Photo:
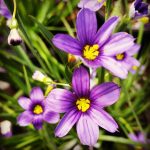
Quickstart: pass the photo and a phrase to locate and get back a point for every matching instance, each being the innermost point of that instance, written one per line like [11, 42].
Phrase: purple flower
[4, 10]
[93, 5]
[127, 61]
[84, 107]
[140, 137]
[36, 111]
[97, 48]
[138, 9]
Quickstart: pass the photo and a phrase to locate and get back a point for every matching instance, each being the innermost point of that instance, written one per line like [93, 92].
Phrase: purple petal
[37, 122]
[93, 5]
[67, 122]
[137, 3]
[114, 66]
[105, 94]
[67, 44]
[86, 26]
[118, 43]
[143, 8]
[133, 137]
[88, 130]
[103, 119]
[81, 82]
[24, 102]
[106, 30]
[60, 100]
[134, 63]
[51, 117]
[134, 50]
[25, 118]
[36, 94]
[93, 64]
[4, 10]
[141, 138]
[127, 62]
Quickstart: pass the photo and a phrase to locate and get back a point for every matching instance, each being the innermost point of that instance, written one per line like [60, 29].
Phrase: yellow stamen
[134, 68]
[38, 109]
[120, 56]
[83, 104]
[91, 52]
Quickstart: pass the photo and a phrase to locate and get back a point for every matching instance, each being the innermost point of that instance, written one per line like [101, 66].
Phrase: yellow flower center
[134, 68]
[120, 56]
[83, 104]
[38, 109]
[99, 1]
[91, 52]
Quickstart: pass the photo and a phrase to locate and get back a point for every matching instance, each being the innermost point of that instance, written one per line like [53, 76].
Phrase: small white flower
[14, 37]
[6, 128]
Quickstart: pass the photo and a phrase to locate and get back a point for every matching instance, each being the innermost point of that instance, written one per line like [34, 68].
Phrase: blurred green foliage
[38, 21]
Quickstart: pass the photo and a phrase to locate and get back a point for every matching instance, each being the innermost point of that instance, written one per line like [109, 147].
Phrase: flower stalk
[15, 8]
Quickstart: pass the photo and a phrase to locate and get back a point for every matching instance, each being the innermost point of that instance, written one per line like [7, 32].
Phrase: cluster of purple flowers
[84, 106]
[98, 48]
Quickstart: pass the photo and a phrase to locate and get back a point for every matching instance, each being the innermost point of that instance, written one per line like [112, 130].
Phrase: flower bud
[13, 24]
[49, 89]
[39, 76]
[71, 58]
[6, 128]
[14, 37]
[144, 20]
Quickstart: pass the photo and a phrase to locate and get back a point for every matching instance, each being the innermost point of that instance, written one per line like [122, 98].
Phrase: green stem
[108, 9]
[15, 7]
[117, 139]
[7, 109]
[133, 111]
[27, 79]
[101, 75]
[135, 116]
[140, 34]
[62, 84]
[77, 64]
[126, 7]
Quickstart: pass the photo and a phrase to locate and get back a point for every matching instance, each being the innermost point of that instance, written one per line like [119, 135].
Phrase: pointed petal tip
[36, 93]
[86, 25]
[67, 44]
